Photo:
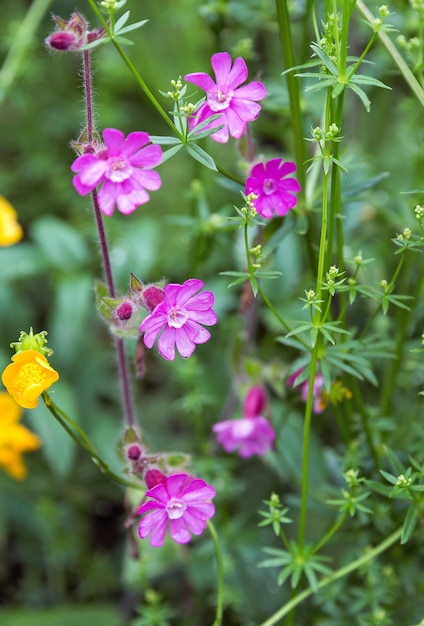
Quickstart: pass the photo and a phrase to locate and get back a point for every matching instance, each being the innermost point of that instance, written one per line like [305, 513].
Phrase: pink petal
[83, 190]
[245, 109]
[208, 318]
[147, 157]
[171, 293]
[166, 343]
[200, 79]
[237, 75]
[251, 91]
[200, 511]
[185, 345]
[91, 170]
[113, 139]
[221, 65]
[286, 168]
[149, 179]
[188, 289]
[201, 301]
[107, 197]
[236, 125]
[258, 172]
[160, 493]
[127, 203]
[154, 523]
[288, 184]
[134, 142]
[195, 333]
[179, 531]
[150, 505]
[195, 524]
[175, 484]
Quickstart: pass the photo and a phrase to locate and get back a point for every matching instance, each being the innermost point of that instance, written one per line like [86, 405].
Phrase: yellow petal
[10, 230]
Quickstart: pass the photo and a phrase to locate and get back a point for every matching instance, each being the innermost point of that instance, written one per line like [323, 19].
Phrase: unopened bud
[134, 452]
[152, 296]
[125, 310]
[254, 402]
[154, 477]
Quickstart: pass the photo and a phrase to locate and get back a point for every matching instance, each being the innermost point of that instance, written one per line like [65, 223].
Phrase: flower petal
[166, 343]
[221, 65]
[134, 142]
[179, 531]
[147, 157]
[114, 140]
[200, 79]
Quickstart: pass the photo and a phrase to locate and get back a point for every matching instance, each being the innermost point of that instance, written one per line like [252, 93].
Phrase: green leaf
[165, 141]
[362, 95]
[201, 156]
[131, 27]
[61, 244]
[170, 153]
[410, 521]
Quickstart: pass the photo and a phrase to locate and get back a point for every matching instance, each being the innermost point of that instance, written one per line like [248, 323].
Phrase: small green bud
[318, 134]
[402, 481]
[358, 259]
[384, 11]
[419, 212]
[407, 233]
[383, 284]
[310, 295]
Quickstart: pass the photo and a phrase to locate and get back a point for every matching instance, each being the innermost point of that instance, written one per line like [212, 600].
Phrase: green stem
[368, 556]
[220, 575]
[359, 403]
[20, 44]
[136, 75]
[330, 533]
[78, 435]
[394, 53]
[305, 446]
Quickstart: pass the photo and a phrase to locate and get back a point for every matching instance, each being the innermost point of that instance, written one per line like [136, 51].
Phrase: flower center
[118, 169]
[177, 317]
[269, 187]
[30, 374]
[243, 428]
[175, 508]
[219, 100]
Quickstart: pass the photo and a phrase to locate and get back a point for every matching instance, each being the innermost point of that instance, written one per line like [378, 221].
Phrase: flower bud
[254, 402]
[134, 452]
[154, 477]
[125, 310]
[152, 296]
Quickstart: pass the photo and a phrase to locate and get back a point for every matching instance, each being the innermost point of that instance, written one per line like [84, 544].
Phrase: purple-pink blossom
[251, 434]
[180, 502]
[274, 190]
[237, 105]
[123, 168]
[178, 318]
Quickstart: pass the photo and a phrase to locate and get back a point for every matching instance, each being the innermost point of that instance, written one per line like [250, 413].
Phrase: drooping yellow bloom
[10, 230]
[28, 376]
[15, 439]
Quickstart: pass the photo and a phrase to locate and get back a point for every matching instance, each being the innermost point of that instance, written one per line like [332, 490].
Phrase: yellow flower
[10, 230]
[28, 376]
[14, 438]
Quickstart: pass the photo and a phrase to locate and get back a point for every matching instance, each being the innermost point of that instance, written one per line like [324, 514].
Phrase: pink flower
[251, 434]
[320, 402]
[181, 500]
[178, 319]
[237, 105]
[124, 168]
[273, 190]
